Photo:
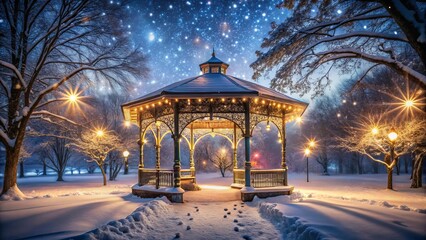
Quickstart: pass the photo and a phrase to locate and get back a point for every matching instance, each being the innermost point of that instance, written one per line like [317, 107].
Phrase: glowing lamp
[375, 130]
[392, 135]
[72, 98]
[307, 151]
[409, 103]
[268, 127]
[100, 133]
[127, 123]
[126, 154]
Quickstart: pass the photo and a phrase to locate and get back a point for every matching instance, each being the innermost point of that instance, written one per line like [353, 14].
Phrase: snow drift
[133, 226]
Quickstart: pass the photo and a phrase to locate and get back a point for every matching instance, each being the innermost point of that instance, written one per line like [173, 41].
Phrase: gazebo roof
[214, 85]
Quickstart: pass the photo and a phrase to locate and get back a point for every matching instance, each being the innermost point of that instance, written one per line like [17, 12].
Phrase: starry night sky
[179, 35]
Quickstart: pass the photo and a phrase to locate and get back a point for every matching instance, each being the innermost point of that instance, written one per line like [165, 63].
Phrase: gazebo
[211, 102]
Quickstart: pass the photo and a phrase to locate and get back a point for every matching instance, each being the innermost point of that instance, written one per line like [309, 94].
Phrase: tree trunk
[416, 181]
[102, 167]
[44, 168]
[340, 165]
[398, 166]
[10, 169]
[390, 171]
[222, 171]
[60, 179]
[21, 170]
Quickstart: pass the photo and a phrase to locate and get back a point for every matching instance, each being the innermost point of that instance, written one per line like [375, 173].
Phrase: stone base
[247, 195]
[173, 194]
[237, 185]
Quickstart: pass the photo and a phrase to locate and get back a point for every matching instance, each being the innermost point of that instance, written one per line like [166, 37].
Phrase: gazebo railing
[261, 178]
[164, 176]
[150, 176]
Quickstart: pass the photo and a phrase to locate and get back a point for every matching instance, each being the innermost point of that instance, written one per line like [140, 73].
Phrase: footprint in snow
[241, 224]
[247, 237]
[235, 220]
[190, 219]
[177, 235]
[236, 229]
[188, 214]
[225, 209]
[180, 223]
[188, 228]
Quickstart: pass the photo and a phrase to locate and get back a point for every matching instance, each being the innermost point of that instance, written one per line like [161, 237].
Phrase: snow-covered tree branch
[328, 36]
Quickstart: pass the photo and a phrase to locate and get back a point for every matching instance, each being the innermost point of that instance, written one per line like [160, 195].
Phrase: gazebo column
[283, 144]
[234, 147]
[141, 164]
[157, 155]
[176, 138]
[191, 153]
[247, 165]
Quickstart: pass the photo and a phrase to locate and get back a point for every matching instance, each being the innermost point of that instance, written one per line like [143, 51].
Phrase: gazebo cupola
[214, 65]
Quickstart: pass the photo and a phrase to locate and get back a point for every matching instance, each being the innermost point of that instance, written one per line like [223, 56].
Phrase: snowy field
[328, 207]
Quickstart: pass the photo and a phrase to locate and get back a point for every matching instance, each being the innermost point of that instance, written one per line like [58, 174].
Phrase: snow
[161, 189]
[159, 220]
[13, 194]
[328, 207]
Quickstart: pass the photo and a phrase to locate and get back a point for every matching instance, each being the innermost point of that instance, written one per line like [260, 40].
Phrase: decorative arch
[256, 119]
[187, 120]
[209, 133]
[164, 128]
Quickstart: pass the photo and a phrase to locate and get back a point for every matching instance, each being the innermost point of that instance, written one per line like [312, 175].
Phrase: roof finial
[213, 54]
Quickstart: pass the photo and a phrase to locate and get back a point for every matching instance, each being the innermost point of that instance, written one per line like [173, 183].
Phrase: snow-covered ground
[341, 207]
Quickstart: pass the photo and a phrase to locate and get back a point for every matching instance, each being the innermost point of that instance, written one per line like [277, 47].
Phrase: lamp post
[307, 152]
[392, 137]
[126, 162]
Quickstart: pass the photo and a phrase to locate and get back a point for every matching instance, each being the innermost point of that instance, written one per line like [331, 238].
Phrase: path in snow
[204, 220]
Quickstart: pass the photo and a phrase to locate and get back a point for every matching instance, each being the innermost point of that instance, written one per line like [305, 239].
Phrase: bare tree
[58, 154]
[371, 139]
[45, 44]
[115, 162]
[321, 37]
[97, 145]
[220, 158]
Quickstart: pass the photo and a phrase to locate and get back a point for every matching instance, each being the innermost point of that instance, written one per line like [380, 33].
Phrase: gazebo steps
[149, 191]
[247, 194]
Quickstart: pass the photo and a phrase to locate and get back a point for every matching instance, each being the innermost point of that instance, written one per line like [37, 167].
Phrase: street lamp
[307, 152]
[408, 103]
[127, 124]
[100, 133]
[312, 143]
[126, 162]
[392, 137]
[375, 130]
[72, 98]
